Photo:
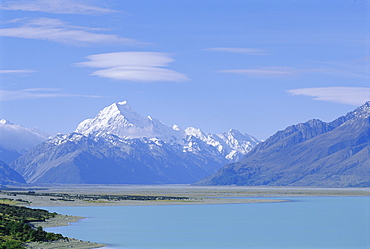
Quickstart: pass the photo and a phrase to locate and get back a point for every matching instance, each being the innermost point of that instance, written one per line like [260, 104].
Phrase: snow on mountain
[236, 144]
[19, 138]
[359, 113]
[175, 127]
[121, 120]
[232, 144]
[121, 146]
[109, 159]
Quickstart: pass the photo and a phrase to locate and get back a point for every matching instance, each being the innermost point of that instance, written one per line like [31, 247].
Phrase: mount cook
[120, 146]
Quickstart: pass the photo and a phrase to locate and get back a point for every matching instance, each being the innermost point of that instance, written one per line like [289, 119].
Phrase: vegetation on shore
[97, 197]
[15, 230]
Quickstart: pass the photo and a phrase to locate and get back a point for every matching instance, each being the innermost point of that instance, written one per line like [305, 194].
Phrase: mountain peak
[191, 131]
[118, 119]
[234, 132]
[121, 120]
[122, 107]
[362, 111]
[4, 121]
[176, 127]
[121, 111]
[122, 103]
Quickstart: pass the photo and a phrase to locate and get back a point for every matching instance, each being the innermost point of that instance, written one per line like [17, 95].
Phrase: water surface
[304, 222]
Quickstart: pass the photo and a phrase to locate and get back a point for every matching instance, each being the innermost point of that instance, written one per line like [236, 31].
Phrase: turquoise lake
[304, 222]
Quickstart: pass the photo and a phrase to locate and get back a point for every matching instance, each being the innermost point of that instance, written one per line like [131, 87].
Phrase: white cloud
[58, 31]
[127, 59]
[37, 93]
[249, 51]
[17, 71]
[55, 6]
[133, 66]
[145, 74]
[344, 95]
[268, 72]
[265, 72]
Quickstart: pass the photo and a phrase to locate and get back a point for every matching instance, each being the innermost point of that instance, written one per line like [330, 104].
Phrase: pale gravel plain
[197, 195]
[69, 243]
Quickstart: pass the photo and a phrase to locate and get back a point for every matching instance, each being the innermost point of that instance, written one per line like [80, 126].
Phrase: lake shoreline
[61, 244]
[187, 194]
[57, 221]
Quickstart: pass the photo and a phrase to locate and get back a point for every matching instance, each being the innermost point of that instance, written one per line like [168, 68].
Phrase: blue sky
[256, 66]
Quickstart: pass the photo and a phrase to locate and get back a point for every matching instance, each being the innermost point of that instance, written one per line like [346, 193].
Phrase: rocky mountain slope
[9, 176]
[315, 153]
[120, 146]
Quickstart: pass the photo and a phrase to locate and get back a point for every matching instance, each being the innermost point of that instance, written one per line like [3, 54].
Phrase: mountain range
[120, 146]
[314, 153]
[9, 175]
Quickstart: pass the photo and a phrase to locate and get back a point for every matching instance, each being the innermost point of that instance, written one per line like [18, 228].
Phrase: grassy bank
[22, 227]
[15, 227]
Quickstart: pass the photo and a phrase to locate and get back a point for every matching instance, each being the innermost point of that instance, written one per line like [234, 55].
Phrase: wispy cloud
[61, 32]
[358, 68]
[37, 93]
[55, 6]
[344, 95]
[248, 51]
[274, 72]
[133, 66]
[16, 71]
[263, 72]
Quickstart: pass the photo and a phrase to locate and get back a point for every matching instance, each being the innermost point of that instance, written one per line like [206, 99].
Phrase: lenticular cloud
[344, 95]
[55, 6]
[58, 31]
[133, 66]
[127, 59]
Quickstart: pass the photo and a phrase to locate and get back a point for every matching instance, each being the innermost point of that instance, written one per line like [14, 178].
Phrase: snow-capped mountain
[121, 146]
[233, 145]
[16, 140]
[109, 159]
[121, 120]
